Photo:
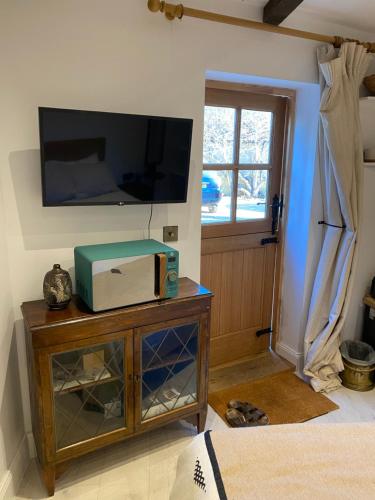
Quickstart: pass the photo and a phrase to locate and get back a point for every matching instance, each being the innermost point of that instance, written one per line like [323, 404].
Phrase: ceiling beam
[275, 11]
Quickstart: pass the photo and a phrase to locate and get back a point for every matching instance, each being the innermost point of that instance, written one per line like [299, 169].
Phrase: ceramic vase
[57, 288]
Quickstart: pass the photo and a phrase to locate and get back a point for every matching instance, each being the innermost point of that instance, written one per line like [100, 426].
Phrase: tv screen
[96, 158]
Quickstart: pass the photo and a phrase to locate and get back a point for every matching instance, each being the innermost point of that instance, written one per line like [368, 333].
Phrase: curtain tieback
[322, 222]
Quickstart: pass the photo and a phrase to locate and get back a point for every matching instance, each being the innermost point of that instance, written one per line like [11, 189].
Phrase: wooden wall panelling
[239, 270]
[231, 290]
[211, 275]
[268, 278]
[252, 289]
[237, 345]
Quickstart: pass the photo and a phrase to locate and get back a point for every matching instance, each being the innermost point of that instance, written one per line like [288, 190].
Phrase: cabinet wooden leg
[201, 420]
[48, 474]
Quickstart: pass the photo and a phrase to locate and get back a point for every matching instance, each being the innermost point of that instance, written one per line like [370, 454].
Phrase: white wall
[12, 464]
[302, 236]
[114, 56]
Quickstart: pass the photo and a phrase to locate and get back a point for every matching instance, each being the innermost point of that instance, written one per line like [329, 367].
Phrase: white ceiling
[358, 14]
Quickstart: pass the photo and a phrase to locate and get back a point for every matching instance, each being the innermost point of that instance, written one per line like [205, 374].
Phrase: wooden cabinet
[99, 378]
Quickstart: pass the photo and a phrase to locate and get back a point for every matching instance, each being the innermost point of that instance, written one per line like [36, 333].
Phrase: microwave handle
[162, 262]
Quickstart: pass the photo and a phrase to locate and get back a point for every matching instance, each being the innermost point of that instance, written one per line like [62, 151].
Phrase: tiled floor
[143, 468]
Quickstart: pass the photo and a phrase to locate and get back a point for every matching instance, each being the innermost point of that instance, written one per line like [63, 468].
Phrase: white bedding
[195, 477]
[304, 462]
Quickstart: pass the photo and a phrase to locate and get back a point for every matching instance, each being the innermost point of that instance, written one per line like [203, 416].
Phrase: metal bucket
[358, 378]
[359, 365]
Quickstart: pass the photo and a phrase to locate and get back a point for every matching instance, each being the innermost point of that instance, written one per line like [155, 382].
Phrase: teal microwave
[122, 274]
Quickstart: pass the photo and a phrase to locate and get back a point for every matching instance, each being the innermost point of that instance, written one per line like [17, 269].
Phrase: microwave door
[124, 281]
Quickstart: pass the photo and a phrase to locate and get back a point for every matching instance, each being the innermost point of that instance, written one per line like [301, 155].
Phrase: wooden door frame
[290, 95]
[238, 101]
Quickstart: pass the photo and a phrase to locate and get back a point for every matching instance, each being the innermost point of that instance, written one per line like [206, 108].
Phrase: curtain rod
[173, 11]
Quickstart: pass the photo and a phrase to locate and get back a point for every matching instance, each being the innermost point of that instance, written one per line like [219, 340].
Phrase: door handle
[277, 207]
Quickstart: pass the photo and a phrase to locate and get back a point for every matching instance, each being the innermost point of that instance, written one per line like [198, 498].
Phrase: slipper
[255, 418]
[242, 406]
[254, 414]
[235, 418]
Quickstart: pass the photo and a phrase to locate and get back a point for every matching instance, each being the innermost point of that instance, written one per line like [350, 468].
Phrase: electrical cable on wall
[149, 221]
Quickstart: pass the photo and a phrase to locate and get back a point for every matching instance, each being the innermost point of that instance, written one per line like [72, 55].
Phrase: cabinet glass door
[169, 369]
[89, 392]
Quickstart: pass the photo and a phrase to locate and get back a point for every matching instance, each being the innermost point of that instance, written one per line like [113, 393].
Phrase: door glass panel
[169, 369]
[88, 386]
[252, 194]
[255, 137]
[219, 127]
[217, 187]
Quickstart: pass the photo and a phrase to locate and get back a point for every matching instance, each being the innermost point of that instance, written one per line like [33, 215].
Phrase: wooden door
[243, 160]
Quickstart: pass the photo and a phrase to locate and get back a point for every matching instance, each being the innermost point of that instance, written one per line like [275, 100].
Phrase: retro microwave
[121, 274]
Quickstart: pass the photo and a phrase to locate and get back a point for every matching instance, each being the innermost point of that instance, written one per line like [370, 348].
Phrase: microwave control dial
[172, 276]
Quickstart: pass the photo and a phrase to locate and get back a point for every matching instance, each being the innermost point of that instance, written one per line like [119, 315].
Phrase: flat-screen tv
[97, 158]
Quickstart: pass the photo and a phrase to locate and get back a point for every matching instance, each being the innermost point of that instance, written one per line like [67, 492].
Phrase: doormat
[284, 397]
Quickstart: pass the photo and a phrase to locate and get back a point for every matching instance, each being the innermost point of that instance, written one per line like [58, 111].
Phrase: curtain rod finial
[171, 11]
[155, 5]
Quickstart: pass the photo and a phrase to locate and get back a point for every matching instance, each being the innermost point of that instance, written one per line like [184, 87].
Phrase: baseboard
[291, 355]
[12, 478]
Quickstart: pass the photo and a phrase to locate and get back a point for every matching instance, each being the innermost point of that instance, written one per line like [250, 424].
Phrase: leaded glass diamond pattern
[88, 392]
[169, 369]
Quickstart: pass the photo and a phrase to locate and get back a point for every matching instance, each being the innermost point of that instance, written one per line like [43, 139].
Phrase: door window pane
[217, 187]
[219, 127]
[252, 194]
[255, 137]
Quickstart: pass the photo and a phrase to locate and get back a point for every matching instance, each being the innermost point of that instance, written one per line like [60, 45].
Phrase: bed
[317, 461]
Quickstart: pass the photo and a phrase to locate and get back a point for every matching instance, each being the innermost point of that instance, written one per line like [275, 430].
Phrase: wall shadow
[66, 227]
[11, 408]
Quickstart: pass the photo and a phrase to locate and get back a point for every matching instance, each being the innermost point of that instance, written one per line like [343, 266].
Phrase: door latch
[268, 241]
[277, 211]
[259, 333]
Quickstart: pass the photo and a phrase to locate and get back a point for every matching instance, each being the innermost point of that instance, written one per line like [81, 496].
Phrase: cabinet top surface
[37, 314]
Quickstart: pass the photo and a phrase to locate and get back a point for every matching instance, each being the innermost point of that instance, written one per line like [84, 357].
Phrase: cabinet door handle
[137, 377]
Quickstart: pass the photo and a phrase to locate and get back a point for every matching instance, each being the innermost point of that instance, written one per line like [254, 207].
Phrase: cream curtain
[340, 156]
